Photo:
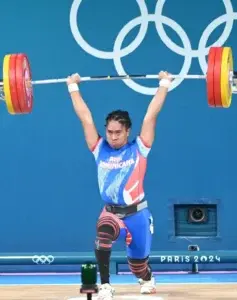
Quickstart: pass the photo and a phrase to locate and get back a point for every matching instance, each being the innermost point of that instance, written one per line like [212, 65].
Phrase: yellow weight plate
[6, 84]
[226, 68]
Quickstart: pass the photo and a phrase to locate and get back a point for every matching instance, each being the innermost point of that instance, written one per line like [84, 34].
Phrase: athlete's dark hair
[121, 116]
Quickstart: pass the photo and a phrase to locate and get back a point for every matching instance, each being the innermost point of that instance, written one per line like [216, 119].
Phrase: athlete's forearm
[80, 107]
[157, 102]
[82, 111]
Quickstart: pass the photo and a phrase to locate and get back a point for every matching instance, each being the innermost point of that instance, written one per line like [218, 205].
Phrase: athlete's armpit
[96, 148]
[142, 147]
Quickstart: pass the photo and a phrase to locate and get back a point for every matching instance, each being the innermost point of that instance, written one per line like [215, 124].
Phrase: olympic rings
[159, 19]
[43, 259]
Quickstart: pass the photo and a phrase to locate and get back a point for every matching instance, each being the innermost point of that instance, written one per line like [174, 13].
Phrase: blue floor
[117, 279]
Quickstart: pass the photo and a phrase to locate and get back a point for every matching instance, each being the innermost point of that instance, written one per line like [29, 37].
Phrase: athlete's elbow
[85, 117]
[150, 118]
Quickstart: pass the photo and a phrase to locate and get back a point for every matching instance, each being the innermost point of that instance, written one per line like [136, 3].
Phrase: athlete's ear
[128, 132]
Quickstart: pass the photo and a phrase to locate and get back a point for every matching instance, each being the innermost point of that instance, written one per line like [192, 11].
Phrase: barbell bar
[111, 77]
[17, 84]
[117, 77]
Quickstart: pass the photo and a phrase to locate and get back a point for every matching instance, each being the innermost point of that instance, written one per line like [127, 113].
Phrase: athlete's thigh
[140, 226]
[107, 219]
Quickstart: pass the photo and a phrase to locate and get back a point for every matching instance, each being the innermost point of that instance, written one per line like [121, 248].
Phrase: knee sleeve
[140, 268]
[107, 231]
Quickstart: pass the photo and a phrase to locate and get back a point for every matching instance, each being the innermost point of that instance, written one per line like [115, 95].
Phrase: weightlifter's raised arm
[149, 123]
[82, 111]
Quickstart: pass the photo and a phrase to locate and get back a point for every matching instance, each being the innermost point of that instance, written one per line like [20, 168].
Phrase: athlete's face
[117, 134]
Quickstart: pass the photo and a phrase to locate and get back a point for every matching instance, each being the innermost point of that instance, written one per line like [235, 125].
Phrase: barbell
[16, 87]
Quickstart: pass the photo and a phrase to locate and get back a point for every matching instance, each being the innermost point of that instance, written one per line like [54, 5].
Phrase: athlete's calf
[140, 268]
[108, 230]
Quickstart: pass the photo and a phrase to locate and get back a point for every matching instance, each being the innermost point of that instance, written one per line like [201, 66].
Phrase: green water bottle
[89, 278]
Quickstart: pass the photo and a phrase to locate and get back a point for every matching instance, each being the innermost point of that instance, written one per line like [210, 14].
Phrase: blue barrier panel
[166, 257]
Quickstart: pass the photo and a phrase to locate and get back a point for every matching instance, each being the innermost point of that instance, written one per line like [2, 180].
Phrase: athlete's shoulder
[100, 146]
[142, 147]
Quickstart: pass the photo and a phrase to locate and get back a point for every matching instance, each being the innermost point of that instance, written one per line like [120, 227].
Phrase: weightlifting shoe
[148, 287]
[106, 292]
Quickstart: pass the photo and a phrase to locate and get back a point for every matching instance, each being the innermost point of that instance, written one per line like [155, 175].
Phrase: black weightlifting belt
[123, 211]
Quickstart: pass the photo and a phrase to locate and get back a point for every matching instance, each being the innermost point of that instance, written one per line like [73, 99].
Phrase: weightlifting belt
[123, 211]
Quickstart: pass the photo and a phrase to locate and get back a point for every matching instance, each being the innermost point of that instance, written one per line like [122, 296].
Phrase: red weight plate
[210, 77]
[12, 83]
[24, 87]
[217, 77]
